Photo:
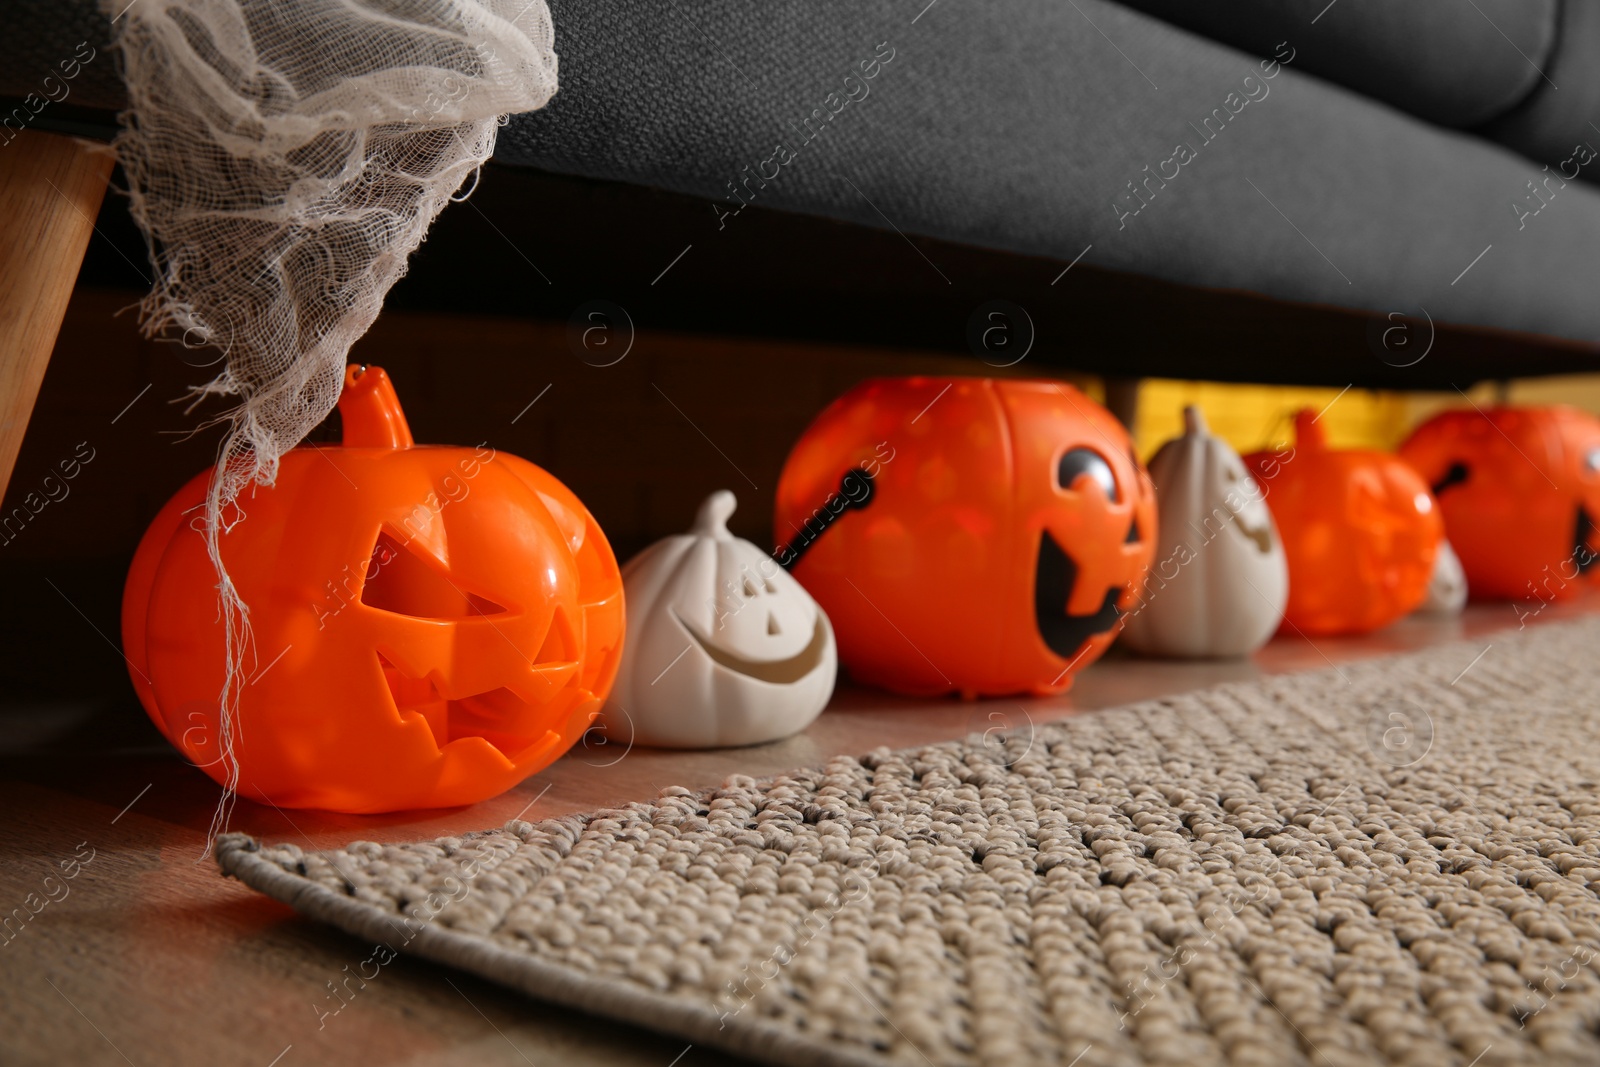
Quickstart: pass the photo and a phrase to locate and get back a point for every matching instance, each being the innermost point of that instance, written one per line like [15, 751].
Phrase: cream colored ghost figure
[1447, 588]
[1220, 580]
[722, 647]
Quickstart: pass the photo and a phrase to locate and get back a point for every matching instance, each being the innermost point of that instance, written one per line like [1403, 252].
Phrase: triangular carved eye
[399, 580]
[560, 643]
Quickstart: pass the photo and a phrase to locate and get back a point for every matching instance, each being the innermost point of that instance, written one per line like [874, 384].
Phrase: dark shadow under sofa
[1247, 191]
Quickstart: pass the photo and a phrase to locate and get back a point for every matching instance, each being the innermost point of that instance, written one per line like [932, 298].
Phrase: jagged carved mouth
[483, 715]
[778, 672]
[1054, 580]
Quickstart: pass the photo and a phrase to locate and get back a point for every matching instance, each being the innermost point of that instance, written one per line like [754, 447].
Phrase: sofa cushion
[60, 52]
[1035, 126]
[1560, 127]
[1038, 127]
[1451, 62]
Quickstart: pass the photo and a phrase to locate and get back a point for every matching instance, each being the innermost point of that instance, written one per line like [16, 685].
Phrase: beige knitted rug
[1396, 861]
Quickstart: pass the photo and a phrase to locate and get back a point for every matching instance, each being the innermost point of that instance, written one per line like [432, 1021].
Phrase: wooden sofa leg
[50, 192]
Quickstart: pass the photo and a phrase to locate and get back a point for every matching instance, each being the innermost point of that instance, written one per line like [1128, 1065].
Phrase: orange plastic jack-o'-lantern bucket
[431, 625]
[967, 535]
[1520, 492]
[1360, 530]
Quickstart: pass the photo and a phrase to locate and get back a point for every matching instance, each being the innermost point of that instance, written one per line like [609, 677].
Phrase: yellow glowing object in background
[1251, 417]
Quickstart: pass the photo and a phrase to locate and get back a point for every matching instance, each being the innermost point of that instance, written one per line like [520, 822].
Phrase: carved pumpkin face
[965, 534]
[1360, 530]
[1520, 491]
[431, 625]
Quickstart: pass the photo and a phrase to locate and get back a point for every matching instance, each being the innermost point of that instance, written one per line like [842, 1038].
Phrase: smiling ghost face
[761, 623]
[1243, 497]
[723, 647]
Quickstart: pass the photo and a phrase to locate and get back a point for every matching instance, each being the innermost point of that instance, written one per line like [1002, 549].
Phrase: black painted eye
[1457, 474]
[1081, 461]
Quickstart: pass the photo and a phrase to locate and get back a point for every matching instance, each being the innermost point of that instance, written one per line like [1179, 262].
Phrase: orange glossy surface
[1360, 530]
[431, 625]
[973, 567]
[1520, 491]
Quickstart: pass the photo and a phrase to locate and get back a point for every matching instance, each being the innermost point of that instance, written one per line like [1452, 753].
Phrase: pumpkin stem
[712, 518]
[371, 411]
[1308, 433]
[1194, 421]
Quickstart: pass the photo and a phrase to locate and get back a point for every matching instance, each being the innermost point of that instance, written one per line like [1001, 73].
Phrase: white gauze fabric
[284, 158]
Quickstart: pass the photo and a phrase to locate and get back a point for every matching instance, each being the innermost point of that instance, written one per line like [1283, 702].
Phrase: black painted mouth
[1585, 557]
[1053, 583]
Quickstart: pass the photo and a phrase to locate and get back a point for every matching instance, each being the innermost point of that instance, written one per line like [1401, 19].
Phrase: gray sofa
[1202, 168]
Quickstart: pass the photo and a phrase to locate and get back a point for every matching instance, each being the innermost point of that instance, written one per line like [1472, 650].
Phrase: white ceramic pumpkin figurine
[1447, 588]
[1220, 579]
[722, 646]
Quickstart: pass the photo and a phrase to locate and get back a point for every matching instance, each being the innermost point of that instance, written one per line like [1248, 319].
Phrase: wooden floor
[148, 956]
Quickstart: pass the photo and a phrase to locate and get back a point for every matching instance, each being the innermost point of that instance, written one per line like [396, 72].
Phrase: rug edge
[531, 976]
